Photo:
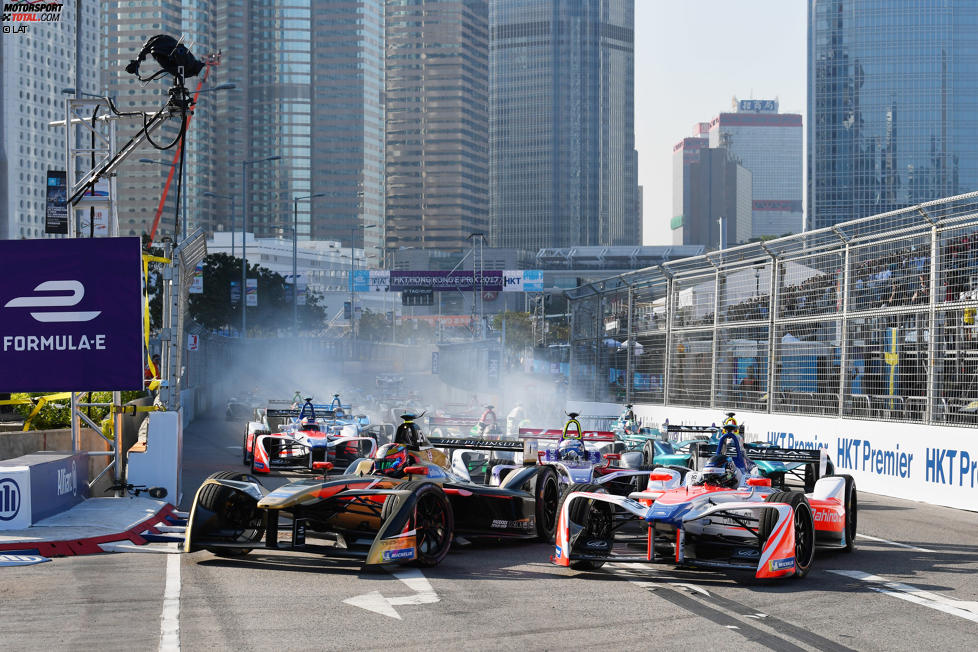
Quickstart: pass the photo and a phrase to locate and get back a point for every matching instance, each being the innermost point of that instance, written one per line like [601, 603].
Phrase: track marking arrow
[374, 601]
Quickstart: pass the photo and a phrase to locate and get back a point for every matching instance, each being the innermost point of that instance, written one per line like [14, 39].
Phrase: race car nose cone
[671, 514]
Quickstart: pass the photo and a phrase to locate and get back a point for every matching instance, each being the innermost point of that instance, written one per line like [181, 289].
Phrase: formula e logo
[77, 292]
[596, 544]
[748, 553]
[9, 499]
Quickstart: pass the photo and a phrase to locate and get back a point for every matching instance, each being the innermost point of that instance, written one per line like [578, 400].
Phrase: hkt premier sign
[70, 314]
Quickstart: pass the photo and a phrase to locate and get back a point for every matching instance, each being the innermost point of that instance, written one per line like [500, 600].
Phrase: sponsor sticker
[782, 564]
[400, 553]
[21, 560]
[596, 544]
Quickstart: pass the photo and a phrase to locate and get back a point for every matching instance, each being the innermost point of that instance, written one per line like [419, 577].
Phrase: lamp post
[295, 251]
[244, 241]
[353, 236]
[231, 197]
[482, 245]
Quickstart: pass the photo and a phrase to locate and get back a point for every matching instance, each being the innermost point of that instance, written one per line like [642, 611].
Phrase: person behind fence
[513, 419]
[487, 422]
[152, 370]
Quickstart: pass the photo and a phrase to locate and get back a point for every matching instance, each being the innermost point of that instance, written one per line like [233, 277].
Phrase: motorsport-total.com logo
[18, 16]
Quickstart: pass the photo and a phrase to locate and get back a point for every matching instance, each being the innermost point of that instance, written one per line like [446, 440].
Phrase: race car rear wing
[772, 453]
[511, 445]
[322, 412]
[452, 421]
[700, 430]
[555, 433]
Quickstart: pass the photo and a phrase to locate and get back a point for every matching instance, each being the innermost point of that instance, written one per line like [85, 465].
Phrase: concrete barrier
[16, 444]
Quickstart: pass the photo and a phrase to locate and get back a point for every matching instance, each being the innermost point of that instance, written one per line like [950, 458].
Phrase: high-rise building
[139, 186]
[36, 65]
[437, 123]
[769, 144]
[563, 166]
[710, 188]
[310, 77]
[892, 88]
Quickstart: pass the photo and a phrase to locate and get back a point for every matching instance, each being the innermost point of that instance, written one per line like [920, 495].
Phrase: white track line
[893, 543]
[959, 608]
[170, 620]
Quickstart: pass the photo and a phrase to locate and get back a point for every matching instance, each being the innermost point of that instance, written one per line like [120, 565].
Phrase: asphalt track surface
[912, 586]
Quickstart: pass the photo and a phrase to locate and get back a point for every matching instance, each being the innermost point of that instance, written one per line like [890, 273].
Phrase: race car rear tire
[851, 504]
[435, 521]
[596, 520]
[648, 454]
[227, 505]
[547, 494]
[245, 454]
[804, 524]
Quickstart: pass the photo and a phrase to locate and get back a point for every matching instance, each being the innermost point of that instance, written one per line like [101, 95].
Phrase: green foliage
[57, 414]
[374, 326]
[213, 308]
[519, 329]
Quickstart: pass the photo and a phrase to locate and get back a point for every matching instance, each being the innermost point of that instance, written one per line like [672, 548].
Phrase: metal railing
[873, 318]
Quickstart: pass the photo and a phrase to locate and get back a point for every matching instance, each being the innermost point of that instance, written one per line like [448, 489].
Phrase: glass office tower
[310, 77]
[892, 105]
[563, 169]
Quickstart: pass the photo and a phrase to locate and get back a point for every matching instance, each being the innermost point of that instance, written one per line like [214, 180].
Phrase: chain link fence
[871, 319]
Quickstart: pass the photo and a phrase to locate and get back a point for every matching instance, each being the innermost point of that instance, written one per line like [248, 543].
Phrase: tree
[213, 309]
[519, 329]
[374, 326]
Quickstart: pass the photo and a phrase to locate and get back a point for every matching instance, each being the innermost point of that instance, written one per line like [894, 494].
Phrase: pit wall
[932, 464]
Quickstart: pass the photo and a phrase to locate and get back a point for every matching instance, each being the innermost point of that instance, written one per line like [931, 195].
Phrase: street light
[244, 241]
[183, 191]
[353, 239]
[295, 249]
[231, 197]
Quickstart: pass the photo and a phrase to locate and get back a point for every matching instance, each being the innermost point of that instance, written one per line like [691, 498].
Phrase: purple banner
[492, 280]
[70, 315]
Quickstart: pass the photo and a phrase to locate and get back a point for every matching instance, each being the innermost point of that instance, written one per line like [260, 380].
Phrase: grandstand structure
[869, 319]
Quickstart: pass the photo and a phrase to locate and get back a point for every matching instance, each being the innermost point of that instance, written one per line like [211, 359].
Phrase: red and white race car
[723, 516]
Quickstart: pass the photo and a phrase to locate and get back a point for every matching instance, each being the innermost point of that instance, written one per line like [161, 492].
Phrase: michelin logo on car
[401, 553]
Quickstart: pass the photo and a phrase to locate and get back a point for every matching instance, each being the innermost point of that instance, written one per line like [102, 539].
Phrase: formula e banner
[70, 315]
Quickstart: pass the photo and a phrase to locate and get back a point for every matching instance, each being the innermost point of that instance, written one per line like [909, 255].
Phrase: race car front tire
[648, 454]
[595, 518]
[804, 524]
[233, 509]
[851, 504]
[434, 521]
[547, 494]
[245, 454]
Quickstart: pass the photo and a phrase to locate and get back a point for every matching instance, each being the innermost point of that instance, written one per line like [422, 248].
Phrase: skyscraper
[310, 75]
[892, 89]
[37, 64]
[563, 167]
[139, 186]
[437, 123]
[769, 144]
[709, 184]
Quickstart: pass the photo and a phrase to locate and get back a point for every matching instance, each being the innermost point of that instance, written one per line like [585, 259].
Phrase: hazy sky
[691, 58]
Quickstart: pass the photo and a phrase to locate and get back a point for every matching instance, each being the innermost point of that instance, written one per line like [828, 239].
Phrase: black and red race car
[400, 505]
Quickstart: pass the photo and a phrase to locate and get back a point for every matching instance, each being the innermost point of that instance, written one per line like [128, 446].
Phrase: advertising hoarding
[71, 315]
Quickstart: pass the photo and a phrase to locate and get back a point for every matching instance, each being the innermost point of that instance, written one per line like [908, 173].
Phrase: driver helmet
[572, 450]
[391, 459]
[309, 424]
[719, 472]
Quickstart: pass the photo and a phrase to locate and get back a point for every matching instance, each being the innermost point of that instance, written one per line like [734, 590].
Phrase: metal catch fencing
[872, 319]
